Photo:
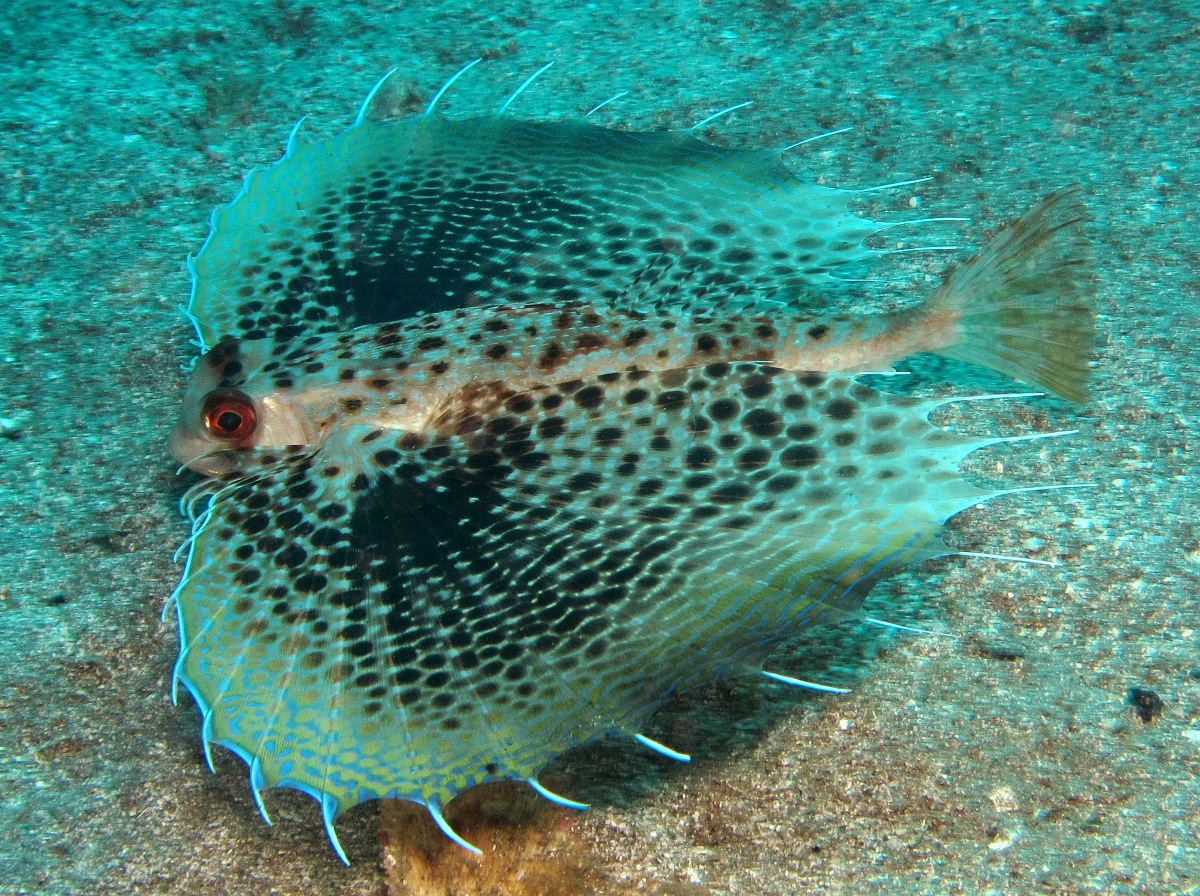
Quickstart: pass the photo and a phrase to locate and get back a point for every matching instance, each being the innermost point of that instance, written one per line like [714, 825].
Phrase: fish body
[402, 376]
[440, 548]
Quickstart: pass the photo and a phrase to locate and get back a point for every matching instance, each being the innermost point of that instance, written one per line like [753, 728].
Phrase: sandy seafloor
[1006, 760]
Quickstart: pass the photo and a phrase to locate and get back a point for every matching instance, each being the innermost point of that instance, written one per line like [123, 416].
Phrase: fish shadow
[728, 718]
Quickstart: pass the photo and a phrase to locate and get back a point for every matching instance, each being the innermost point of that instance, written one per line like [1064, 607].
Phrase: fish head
[225, 411]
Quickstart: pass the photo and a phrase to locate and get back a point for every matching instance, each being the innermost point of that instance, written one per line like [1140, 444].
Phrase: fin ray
[379, 238]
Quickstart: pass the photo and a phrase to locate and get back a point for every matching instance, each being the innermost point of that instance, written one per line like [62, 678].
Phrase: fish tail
[1024, 305]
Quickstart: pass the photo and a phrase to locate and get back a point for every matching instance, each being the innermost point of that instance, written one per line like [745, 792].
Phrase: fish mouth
[198, 455]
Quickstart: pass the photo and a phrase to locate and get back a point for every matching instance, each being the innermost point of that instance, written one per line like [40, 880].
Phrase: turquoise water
[1006, 759]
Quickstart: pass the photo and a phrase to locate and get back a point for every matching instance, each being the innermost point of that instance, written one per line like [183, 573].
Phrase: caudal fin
[1025, 304]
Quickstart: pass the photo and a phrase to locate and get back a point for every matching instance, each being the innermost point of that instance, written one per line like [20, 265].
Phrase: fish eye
[230, 416]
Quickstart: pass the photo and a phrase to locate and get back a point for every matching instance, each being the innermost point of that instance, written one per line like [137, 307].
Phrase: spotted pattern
[389, 220]
[470, 601]
[399, 373]
[555, 469]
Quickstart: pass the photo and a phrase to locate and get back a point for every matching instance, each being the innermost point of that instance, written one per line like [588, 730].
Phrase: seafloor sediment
[1006, 759]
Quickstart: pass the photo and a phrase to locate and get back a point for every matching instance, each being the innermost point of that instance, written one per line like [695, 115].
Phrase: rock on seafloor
[530, 848]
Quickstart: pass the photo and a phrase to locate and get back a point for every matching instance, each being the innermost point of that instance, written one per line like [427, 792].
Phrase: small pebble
[998, 651]
[1002, 839]
[9, 428]
[1004, 799]
[1146, 704]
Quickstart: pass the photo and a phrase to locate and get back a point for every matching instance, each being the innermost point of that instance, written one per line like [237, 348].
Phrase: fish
[510, 430]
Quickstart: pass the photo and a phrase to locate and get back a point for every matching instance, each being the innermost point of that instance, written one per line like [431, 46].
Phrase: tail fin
[1024, 304]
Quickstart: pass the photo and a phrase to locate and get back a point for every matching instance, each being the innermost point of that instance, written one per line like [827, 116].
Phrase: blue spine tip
[366, 103]
[329, 811]
[801, 683]
[662, 748]
[554, 797]
[435, 811]
[458, 74]
[291, 141]
[206, 739]
[256, 787]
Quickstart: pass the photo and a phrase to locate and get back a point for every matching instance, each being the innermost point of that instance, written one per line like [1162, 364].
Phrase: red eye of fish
[230, 416]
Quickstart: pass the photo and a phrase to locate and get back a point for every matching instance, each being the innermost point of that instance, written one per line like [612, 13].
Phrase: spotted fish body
[516, 429]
